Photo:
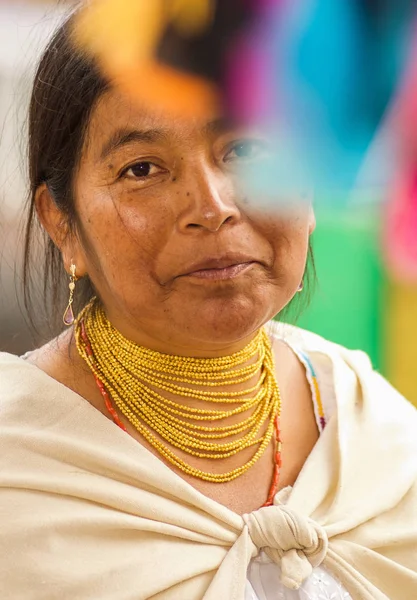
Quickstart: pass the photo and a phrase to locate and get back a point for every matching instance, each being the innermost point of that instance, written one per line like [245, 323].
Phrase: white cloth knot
[294, 542]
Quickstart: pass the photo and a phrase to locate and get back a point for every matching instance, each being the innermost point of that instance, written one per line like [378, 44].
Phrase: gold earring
[68, 317]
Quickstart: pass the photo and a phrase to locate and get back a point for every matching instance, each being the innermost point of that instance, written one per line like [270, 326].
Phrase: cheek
[285, 233]
[289, 239]
[120, 239]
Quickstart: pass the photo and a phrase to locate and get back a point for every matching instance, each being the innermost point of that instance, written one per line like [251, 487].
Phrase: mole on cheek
[174, 179]
[188, 193]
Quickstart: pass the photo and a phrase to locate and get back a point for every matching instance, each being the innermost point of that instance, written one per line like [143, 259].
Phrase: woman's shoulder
[25, 394]
[333, 362]
[28, 391]
[314, 344]
[18, 376]
[347, 374]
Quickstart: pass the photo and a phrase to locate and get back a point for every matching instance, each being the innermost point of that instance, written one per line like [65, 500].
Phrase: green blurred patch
[347, 303]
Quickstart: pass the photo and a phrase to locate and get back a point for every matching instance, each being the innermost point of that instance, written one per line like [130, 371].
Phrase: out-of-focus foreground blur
[357, 302]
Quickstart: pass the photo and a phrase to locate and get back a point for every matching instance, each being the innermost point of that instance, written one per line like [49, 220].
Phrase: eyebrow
[220, 125]
[123, 137]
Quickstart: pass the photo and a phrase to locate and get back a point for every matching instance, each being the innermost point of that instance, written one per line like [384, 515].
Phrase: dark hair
[292, 312]
[66, 88]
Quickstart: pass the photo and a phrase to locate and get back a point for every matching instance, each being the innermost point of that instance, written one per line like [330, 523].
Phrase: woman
[174, 443]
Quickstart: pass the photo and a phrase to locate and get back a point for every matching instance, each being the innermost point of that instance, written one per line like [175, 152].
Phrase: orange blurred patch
[122, 36]
[161, 87]
[191, 17]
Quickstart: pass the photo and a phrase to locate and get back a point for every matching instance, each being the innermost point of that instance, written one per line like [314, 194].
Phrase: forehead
[116, 113]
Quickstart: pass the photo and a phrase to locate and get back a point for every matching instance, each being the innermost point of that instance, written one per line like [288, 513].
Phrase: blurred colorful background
[366, 292]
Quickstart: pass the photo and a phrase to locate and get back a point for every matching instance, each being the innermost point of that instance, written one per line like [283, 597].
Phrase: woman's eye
[141, 170]
[247, 150]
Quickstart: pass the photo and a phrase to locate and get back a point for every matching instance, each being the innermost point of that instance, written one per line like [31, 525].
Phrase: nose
[210, 201]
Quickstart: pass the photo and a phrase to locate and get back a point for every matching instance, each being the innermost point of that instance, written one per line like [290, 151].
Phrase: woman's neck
[172, 343]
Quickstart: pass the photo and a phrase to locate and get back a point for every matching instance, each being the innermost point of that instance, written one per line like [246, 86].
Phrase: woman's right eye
[140, 170]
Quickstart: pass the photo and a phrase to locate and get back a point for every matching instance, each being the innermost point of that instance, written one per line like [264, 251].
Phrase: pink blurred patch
[247, 82]
[405, 105]
[250, 91]
[401, 228]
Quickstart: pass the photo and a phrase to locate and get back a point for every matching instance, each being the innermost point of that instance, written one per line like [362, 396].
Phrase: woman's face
[181, 259]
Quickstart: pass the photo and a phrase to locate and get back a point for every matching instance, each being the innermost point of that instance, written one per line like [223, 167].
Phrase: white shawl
[87, 513]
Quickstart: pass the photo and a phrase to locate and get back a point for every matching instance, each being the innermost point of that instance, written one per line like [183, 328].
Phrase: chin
[229, 320]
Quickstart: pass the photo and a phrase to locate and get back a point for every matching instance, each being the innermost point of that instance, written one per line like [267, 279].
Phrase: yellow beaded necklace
[136, 378]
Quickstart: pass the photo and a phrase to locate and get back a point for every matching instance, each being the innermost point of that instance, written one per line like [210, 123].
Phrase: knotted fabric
[294, 542]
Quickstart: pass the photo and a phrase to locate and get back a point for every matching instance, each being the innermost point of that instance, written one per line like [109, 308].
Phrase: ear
[55, 223]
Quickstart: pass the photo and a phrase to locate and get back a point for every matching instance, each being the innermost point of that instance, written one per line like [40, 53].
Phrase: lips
[221, 263]
[219, 268]
[222, 274]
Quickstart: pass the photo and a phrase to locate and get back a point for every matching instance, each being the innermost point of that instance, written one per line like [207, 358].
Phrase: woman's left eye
[247, 150]
[141, 170]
